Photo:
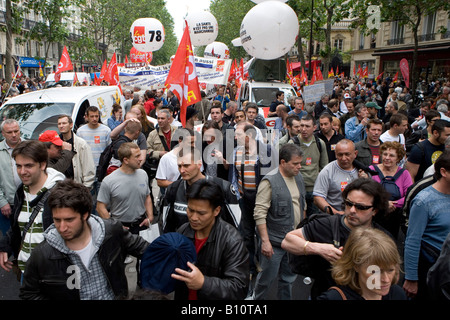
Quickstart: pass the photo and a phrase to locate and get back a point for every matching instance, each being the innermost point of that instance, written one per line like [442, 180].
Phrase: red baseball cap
[51, 136]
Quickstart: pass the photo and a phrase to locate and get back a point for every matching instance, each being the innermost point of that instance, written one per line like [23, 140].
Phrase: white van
[38, 111]
[264, 93]
[67, 79]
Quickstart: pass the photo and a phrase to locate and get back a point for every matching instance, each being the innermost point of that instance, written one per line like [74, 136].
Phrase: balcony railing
[446, 35]
[427, 37]
[391, 42]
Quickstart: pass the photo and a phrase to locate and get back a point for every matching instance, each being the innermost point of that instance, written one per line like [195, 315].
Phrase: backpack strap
[398, 174]
[34, 213]
[319, 146]
[340, 292]
[380, 174]
[163, 141]
[336, 225]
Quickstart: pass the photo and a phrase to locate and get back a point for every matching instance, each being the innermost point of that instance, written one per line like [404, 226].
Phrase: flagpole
[14, 79]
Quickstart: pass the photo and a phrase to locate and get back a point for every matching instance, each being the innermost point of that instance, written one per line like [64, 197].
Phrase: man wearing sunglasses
[362, 200]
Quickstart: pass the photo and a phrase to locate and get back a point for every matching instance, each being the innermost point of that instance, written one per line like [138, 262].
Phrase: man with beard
[81, 251]
[31, 215]
[329, 135]
[82, 168]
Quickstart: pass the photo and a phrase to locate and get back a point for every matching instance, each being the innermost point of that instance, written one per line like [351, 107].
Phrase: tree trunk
[413, 72]
[300, 52]
[9, 43]
[326, 62]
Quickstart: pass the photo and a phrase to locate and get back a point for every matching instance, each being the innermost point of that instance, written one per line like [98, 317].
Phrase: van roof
[259, 84]
[63, 94]
[68, 76]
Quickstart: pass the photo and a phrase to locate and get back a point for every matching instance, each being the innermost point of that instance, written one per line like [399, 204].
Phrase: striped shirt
[249, 170]
[35, 234]
[98, 139]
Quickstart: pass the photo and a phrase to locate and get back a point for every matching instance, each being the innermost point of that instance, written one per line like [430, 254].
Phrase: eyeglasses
[357, 206]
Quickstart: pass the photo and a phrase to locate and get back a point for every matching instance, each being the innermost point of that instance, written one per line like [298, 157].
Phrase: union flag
[182, 79]
[102, 73]
[395, 77]
[64, 64]
[111, 74]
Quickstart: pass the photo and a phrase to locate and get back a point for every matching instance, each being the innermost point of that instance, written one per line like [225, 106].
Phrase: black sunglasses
[358, 206]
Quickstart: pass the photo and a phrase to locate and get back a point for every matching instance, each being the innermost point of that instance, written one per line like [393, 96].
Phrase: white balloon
[218, 50]
[269, 30]
[259, 1]
[203, 27]
[147, 34]
[236, 42]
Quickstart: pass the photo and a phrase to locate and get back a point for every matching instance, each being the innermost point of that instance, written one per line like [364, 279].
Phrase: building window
[428, 27]
[396, 33]
[339, 44]
[373, 41]
[361, 40]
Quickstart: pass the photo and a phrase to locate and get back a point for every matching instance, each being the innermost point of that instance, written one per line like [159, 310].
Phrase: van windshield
[35, 118]
[63, 83]
[265, 96]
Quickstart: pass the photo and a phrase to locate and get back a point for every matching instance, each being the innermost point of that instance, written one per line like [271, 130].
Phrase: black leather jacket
[45, 276]
[223, 260]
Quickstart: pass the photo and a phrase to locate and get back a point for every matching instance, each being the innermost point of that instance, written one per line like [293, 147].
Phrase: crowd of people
[365, 161]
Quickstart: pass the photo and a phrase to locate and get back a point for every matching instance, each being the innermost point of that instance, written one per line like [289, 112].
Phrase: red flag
[102, 73]
[75, 79]
[304, 77]
[314, 77]
[96, 82]
[64, 64]
[359, 73]
[366, 72]
[112, 74]
[126, 59]
[240, 73]
[337, 69]
[289, 73]
[182, 79]
[395, 77]
[379, 76]
[232, 75]
[331, 73]
[354, 71]
[319, 75]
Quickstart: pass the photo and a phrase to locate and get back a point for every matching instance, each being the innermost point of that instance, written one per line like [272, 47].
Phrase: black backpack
[310, 265]
[103, 162]
[389, 185]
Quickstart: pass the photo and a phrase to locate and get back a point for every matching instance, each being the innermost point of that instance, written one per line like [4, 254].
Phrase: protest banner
[209, 71]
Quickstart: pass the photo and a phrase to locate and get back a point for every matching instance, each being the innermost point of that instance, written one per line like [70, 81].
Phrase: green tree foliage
[229, 15]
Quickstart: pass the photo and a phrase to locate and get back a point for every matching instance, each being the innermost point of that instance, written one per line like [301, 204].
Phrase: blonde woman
[368, 269]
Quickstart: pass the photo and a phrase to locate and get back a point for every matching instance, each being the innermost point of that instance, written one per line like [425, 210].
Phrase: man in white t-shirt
[167, 171]
[398, 124]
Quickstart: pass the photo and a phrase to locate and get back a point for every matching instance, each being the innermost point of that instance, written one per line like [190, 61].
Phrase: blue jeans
[4, 224]
[276, 266]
